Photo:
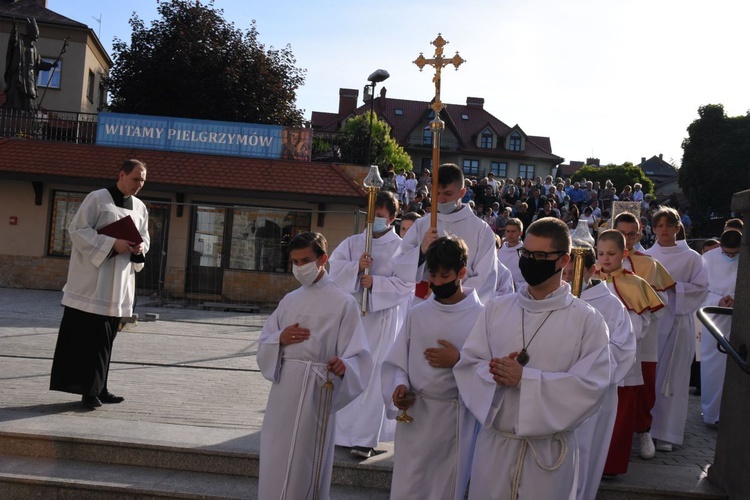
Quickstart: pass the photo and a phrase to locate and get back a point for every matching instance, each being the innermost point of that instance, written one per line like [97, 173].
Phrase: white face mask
[449, 206]
[379, 225]
[306, 273]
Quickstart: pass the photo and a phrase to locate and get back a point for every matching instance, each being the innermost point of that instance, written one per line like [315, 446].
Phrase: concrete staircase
[79, 457]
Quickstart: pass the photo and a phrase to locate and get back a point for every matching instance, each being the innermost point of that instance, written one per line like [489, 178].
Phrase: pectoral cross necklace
[523, 356]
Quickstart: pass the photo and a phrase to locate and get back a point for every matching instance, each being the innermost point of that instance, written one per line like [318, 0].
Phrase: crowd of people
[474, 343]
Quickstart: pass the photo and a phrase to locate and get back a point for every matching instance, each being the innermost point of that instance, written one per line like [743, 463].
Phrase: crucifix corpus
[437, 125]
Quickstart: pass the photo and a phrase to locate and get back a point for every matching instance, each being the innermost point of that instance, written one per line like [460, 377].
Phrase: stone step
[22, 478]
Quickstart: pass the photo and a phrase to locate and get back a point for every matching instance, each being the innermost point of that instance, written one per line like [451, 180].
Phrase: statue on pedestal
[23, 64]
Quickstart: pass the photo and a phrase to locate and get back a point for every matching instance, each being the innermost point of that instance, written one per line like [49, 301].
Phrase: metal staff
[52, 73]
[373, 182]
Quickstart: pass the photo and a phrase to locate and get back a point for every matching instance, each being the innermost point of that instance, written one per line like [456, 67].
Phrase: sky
[614, 80]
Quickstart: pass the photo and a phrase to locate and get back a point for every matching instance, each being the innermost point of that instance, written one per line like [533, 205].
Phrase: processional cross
[437, 125]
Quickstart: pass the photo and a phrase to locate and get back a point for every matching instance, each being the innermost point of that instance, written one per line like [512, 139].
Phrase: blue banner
[203, 136]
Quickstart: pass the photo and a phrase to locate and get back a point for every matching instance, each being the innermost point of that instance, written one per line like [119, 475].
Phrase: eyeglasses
[522, 252]
[634, 234]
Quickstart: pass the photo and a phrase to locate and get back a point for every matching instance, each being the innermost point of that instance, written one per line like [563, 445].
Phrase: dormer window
[487, 139]
[399, 111]
[427, 135]
[464, 116]
[514, 144]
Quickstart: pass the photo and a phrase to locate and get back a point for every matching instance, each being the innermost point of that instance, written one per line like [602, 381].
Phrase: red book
[122, 229]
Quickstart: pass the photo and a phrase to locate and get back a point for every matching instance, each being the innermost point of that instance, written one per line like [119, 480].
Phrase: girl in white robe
[362, 422]
[432, 453]
[288, 454]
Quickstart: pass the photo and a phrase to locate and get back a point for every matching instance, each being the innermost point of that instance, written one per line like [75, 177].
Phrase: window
[499, 168]
[526, 171]
[65, 204]
[90, 87]
[260, 238]
[102, 97]
[514, 144]
[399, 111]
[426, 135]
[50, 78]
[487, 139]
[471, 167]
[464, 116]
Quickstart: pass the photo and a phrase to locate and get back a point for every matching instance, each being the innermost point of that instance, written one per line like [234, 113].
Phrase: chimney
[382, 93]
[643, 160]
[348, 101]
[592, 161]
[661, 156]
[477, 102]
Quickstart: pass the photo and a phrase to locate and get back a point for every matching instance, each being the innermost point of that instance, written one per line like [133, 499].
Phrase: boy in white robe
[721, 266]
[676, 328]
[316, 329]
[361, 424]
[433, 453]
[594, 434]
[508, 253]
[529, 383]
[101, 287]
[457, 219]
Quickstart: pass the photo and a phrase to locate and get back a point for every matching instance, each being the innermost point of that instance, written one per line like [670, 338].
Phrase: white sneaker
[647, 445]
[663, 446]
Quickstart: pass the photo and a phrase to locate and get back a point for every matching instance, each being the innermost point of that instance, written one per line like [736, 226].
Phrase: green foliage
[715, 160]
[620, 175]
[192, 63]
[385, 149]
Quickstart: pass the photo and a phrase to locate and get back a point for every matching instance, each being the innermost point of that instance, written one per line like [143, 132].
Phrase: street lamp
[376, 77]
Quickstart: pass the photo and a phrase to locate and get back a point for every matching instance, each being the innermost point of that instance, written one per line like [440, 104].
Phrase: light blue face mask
[379, 225]
[448, 207]
[728, 258]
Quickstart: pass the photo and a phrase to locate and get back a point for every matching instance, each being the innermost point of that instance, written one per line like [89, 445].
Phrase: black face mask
[445, 290]
[537, 271]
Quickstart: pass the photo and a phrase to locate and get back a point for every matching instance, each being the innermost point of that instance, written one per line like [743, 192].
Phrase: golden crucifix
[437, 125]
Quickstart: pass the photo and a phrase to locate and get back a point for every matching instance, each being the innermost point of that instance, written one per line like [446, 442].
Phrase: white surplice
[722, 280]
[594, 434]
[676, 338]
[508, 256]
[562, 385]
[433, 453]
[288, 454]
[362, 422]
[504, 280]
[481, 270]
[97, 283]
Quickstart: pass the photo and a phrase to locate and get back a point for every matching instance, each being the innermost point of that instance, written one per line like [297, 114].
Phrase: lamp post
[376, 77]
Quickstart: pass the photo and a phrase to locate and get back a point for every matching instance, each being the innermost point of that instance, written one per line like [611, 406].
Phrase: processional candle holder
[372, 183]
[581, 234]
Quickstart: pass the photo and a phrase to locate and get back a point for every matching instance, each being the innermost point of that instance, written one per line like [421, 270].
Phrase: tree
[192, 63]
[385, 149]
[715, 160]
[620, 175]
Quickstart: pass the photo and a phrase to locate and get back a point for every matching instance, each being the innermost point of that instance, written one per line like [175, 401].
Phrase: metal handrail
[722, 343]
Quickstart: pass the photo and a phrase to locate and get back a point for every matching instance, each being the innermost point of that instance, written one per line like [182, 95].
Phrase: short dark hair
[589, 256]
[447, 252]
[710, 243]
[731, 238]
[734, 223]
[554, 229]
[310, 239]
[514, 221]
[626, 218]
[128, 165]
[449, 174]
[412, 216]
[387, 200]
[613, 235]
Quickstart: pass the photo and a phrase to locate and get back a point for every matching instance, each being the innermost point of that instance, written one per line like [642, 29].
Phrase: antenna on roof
[98, 20]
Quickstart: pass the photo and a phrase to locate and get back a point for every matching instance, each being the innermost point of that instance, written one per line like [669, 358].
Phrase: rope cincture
[325, 403]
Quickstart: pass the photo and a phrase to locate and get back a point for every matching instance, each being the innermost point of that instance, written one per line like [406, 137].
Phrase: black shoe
[107, 397]
[362, 451]
[91, 402]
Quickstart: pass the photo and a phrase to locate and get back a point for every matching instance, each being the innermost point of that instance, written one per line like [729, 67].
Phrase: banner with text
[203, 136]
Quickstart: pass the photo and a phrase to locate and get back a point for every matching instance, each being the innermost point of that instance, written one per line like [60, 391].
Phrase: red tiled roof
[311, 181]
[415, 114]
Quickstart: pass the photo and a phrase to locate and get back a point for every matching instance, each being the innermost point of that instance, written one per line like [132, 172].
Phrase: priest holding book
[109, 236]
